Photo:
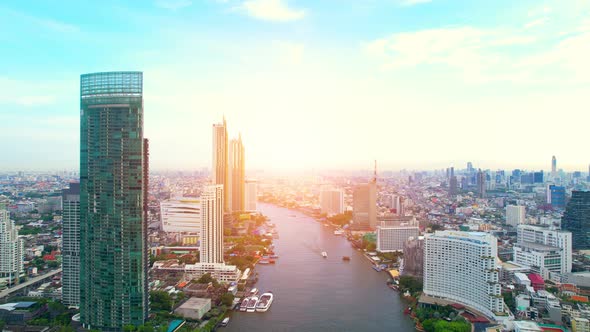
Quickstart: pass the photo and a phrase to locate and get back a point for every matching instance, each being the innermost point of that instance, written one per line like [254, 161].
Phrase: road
[27, 283]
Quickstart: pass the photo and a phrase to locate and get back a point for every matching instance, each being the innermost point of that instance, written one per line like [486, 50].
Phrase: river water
[313, 293]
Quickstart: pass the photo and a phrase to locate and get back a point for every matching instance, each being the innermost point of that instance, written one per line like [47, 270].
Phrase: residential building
[576, 219]
[550, 237]
[391, 238]
[251, 196]
[11, 250]
[181, 215]
[220, 168]
[71, 246]
[113, 279]
[212, 224]
[237, 175]
[413, 261]
[481, 184]
[461, 267]
[331, 201]
[515, 215]
[580, 324]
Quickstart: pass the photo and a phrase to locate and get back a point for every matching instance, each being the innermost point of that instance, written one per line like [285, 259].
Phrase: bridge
[31, 282]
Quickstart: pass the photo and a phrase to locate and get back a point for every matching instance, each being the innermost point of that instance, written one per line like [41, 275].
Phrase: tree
[128, 328]
[227, 299]
[160, 300]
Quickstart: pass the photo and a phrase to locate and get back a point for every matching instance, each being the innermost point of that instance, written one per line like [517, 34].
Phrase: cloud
[413, 2]
[47, 23]
[272, 10]
[173, 4]
[18, 92]
[290, 53]
[535, 23]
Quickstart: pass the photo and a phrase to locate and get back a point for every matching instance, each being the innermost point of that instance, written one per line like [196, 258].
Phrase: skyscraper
[212, 224]
[556, 196]
[576, 219]
[251, 195]
[11, 250]
[331, 201]
[515, 215]
[481, 184]
[113, 280]
[220, 168]
[71, 245]
[553, 167]
[237, 171]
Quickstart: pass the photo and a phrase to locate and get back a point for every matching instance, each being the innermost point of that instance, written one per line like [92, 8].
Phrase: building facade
[392, 238]
[576, 219]
[556, 196]
[220, 168]
[181, 215]
[212, 225]
[11, 250]
[413, 261]
[364, 206]
[113, 279]
[331, 201]
[70, 293]
[237, 175]
[461, 267]
[251, 195]
[543, 249]
[515, 215]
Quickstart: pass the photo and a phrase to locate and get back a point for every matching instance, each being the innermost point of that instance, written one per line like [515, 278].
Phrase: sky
[309, 84]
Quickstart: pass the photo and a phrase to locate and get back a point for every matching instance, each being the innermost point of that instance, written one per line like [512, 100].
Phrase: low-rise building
[194, 308]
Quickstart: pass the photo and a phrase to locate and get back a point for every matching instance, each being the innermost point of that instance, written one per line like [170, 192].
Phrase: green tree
[160, 300]
[129, 328]
[227, 299]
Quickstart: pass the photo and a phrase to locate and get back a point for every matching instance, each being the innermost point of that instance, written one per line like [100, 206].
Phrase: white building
[394, 202]
[515, 215]
[71, 245]
[11, 250]
[181, 215]
[544, 249]
[220, 271]
[331, 201]
[251, 195]
[212, 224]
[392, 236]
[461, 267]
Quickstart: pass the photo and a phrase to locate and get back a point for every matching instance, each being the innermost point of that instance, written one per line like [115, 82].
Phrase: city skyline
[295, 72]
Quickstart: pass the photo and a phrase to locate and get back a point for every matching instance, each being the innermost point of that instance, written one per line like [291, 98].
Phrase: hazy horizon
[415, 84]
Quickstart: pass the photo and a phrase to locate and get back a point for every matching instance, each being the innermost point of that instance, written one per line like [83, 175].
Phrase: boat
[253, 291]
[324, 254]
[338, 232]
[225, 321]
[273, 256]
[264, 261]
[252, 304]
[244, 304]
[265, 302]
[345, 258]
[271, 261]
[376, 268]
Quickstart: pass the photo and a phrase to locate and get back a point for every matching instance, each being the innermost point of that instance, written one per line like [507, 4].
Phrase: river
[320, 294]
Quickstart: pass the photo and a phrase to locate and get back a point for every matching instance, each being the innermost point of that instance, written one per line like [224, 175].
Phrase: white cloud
[272, 10]
[535, 23]
[173, 4]
[413, 2]
[290, 53]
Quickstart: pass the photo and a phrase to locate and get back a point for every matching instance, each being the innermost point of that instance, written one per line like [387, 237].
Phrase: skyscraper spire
[375, 173]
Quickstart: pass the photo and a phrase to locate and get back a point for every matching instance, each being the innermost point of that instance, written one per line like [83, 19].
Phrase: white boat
[338, 232]
[252, 304]
[225, 321]
[254, 291]
[244, 304]
[324, 254]
[265, 302]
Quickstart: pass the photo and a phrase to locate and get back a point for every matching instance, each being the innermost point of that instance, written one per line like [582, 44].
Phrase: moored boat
[252, 304]
[345, 258]
[324, 254]
[265, 302]
[338, 232]
[253, 291]
[244, 304]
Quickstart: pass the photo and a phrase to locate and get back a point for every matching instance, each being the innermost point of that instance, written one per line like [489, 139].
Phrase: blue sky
[309, 84]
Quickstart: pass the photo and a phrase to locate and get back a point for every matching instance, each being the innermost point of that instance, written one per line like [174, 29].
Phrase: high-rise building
[414, 257]
[181, 215]
[220, 168]
[391, 238]
[576, 219]
[113, 279]
[212, 224]
[331, 201]
[544, 249]
[11, 250]
[237, 177]
[251, 195]
[71, 245]
[453, 186]
[461, 267]
[481, 184]
[515, 215]
[556, 196]
[364, 206]
[553, 167]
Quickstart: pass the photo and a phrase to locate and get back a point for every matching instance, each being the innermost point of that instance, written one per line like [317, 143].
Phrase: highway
[27, 283]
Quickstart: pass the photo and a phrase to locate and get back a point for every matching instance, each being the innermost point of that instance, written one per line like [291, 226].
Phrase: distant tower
[11, 249]
[452, 182]
[220, 169]
[212, 224]
[237, 175]
[553, 167]
[481, 184]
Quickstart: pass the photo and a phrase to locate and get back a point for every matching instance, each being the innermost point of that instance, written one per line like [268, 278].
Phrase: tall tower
[71, 245]
[481, 184]
[212, 224]
[11, 249]
[553, 167]
[220, 154]
[576, 219]
[112, 229]
[237, 173]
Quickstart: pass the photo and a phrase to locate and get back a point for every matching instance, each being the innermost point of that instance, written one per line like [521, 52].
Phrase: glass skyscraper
[71, 245]
[113, 279]
[576, 219]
